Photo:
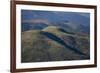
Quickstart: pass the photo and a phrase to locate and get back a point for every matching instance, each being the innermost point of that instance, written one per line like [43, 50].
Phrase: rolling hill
[53, 43]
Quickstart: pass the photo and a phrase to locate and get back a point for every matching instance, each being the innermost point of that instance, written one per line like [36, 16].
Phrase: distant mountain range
[70, 21]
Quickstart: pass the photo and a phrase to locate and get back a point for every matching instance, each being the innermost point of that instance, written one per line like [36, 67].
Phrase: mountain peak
[51, 28]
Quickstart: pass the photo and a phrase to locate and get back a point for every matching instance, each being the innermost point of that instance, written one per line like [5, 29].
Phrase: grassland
[53, 44]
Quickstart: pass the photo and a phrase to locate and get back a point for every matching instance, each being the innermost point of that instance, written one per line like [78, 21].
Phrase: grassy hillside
[53, 44]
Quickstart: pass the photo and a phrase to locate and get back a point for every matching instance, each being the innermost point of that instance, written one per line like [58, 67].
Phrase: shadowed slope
[57, 39]
[64, 31]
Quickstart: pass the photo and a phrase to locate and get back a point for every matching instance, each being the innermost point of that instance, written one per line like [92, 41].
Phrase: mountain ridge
[41, 42]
